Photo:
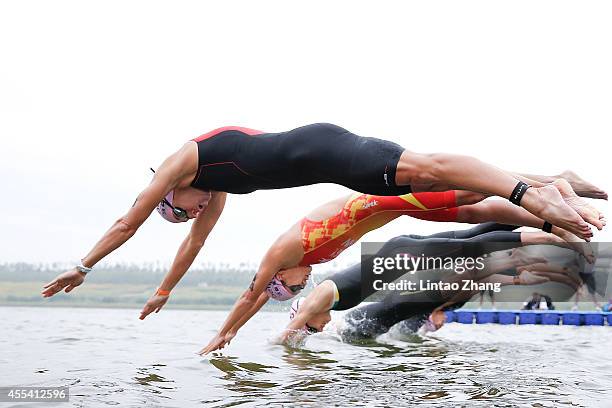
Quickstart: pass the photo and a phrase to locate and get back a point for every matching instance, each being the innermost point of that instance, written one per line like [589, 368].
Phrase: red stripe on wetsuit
[250, 132]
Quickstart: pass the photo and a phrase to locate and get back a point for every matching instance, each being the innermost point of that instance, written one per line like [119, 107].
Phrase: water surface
[109, 357]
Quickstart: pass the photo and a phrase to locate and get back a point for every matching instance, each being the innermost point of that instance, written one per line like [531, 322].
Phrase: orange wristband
[516, 280]
[161, 292]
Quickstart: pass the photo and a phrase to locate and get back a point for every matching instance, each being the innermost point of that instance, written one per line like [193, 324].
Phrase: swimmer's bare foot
[547, 203]
[582, 187]
[588, 213]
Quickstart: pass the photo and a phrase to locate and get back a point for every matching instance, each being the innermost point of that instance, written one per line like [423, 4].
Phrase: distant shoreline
[122, 296]
[131, 306]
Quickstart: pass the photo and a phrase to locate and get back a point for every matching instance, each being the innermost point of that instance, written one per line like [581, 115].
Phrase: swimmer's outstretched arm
[281, 255]
[261, 301]
[187, 252]
[176, 170]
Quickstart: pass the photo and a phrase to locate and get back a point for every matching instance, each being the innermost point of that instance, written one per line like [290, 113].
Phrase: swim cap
[429, 326]
[295, 306]
[165, 211]
[278, 291]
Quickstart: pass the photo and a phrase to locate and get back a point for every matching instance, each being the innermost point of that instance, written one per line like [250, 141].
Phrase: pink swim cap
[165, 211]
[429, 326]
[278, 291]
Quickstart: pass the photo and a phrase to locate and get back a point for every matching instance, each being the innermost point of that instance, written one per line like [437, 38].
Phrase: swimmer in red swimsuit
[333, 227]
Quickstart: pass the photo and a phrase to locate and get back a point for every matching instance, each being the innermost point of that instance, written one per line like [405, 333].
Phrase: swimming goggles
[178, 212]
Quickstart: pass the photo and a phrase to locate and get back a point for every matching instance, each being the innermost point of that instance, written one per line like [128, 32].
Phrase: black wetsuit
[240, 161]
[413, 308]
[354, 288]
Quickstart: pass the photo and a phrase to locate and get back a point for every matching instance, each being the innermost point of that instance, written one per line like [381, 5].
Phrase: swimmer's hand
[291, 338]
[217, 343]
[66, 281]
[154, 304]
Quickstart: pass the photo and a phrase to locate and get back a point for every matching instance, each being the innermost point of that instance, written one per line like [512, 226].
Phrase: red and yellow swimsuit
[324, 240]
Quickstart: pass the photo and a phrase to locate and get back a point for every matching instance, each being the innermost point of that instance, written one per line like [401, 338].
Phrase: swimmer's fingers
[52, 288]
[215, 344]
[154, 304]
[68, 280]
[158, 308]
[52, 283]
[146, 310]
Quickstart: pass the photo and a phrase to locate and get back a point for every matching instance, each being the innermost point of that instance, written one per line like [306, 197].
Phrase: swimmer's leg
[582, 187]
[374, 319]
[502, 212]
[481, 239]
[480, 229]
[463, 197]
[468, 173]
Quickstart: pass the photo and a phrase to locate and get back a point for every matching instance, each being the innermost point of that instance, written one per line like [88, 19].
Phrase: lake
[109, 357]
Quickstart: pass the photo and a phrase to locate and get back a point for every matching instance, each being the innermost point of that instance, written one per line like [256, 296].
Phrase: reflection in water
[305, 359]
[147, 377]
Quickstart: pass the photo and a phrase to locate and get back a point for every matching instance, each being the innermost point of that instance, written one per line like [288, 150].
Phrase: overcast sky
[92, 94]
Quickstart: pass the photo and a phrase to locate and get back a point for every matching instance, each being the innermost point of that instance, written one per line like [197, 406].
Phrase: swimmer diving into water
[333, 227]
[423, 310]
[193, 183]
[344, 290]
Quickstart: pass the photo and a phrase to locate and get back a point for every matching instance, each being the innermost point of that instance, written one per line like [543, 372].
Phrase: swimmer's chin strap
[518, 193]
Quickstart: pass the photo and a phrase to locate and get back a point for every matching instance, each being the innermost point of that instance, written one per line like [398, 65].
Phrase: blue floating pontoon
[485, 316]
[506, 317]
[464, 316]
[529, 317]
[450, 316]
[550, 318]
[572, 318]
[544, 317]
